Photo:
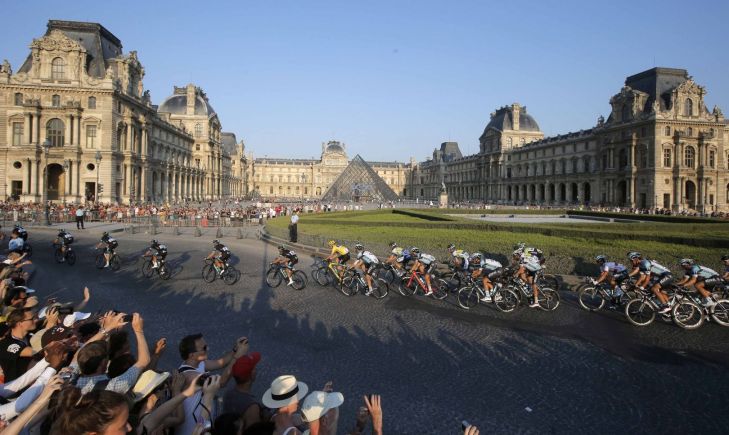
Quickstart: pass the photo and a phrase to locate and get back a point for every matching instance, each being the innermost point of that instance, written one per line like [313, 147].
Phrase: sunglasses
[204, 349]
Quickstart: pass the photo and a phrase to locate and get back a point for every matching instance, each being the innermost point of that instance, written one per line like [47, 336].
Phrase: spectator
[80, 218]
[284, 396]
[293, 227]
[238, 399]
[16, 242]
[373, 409]
[15, 349]
[98, 411]
[321, 410]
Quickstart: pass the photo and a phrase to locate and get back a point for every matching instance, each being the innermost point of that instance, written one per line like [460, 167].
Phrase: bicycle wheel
[70, 257]
[548, 299]
[115, 262]
[349, 286]
[273, 277]
[454, 281]
[100, 261]
[468, 297]
[147, 270]
[299, 279]
[231, 275]
[590, 299]
[688, 315]
[380, 288]
[408, 287]
[58, 255]
[164, 272]
[209, 274]
[506, 300]
[640, 312]
[320, 276]
[720, 312]
[440, 289]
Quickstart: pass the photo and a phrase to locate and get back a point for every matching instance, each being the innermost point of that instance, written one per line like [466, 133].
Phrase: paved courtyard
[527, 372]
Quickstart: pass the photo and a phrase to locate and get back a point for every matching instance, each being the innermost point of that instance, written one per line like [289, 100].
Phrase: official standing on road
[80, 218]
[293, 227]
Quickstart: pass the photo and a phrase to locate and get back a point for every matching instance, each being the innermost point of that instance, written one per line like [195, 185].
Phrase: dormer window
[688, 107]
[56, 101]
[58, 68]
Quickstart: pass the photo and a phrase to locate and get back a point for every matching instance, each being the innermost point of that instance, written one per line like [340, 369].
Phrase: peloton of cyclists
[110, 244]
[366, 263]
[65, 239]
[220, 256]
[287, 258]
[699, 277]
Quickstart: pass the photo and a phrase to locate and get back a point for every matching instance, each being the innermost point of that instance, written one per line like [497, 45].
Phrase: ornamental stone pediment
[56, 41]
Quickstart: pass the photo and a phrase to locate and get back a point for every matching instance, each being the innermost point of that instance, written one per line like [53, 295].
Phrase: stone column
[27, 130]
[143, 184]
[67, 182]
[78, 181]
[78, 130]
[37, 130]
[68, 131]
[32, 177]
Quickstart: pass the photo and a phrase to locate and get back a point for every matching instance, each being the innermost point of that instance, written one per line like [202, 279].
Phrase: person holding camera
[194, 354]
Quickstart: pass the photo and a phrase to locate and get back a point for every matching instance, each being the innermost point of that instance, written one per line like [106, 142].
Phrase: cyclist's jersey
[475, 259]
[368, 258]
[289, 255]
[403, 256]
[65, 238]
[111, 242]
[222, 249]
[160, 250]
[16, 244]
[701, 272]
[426, 259]
[650, 266]
[490, 265]
[613, 268]
[340, 251]
[397, 251]
[460, 253]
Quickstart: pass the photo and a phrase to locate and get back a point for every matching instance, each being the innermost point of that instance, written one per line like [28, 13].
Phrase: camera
[66, 377]
[127, 317]
[203, 377]
[464, 424]
[65, 310]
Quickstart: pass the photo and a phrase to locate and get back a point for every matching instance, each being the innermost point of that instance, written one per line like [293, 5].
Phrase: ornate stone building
[659, 147]
[76, 113]
[310, 178]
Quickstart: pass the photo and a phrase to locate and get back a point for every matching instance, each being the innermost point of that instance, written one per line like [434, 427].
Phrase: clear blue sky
[394, 79]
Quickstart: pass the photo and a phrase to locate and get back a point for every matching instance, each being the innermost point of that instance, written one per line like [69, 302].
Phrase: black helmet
[281, 247]
[393, 244]
[725, 257]
[105, 234]
[414, 250]
[215, 242]
[359, 247]
[451, 247]
[155, 243]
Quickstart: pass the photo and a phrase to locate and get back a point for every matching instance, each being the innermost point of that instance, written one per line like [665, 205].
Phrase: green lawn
[570, 247]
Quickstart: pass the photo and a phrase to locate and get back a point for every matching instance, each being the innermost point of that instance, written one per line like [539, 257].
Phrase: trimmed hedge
[421, 215]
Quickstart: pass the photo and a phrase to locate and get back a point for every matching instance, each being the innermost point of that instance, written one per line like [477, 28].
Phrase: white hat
[147, 383]
[284, 390]
[319, 403]
[69, 320]
[44, 311]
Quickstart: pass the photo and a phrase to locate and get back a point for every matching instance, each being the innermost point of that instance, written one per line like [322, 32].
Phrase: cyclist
[488, 270]
[158, 252]
[220, 256]
[725, 260]
[460, 258]
[651, 274]
[287, 258]
[22, 232]
[699, 277]
[15, 244]
[399, 258]
[612, 272]
[366, 262]
[423, 264]
[65, 239]
[529, 262]
[109, 243]
[340, 253]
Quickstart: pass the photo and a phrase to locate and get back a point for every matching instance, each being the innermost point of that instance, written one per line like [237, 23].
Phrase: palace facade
[659, 147]
[76, 123]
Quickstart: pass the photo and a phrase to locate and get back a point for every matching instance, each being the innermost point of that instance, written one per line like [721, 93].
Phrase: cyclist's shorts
[343, 258]
[713, 281]
[532, 268]
[662, 280]
[292, 261]
[224, 256]
[621, 276]
[496, 274]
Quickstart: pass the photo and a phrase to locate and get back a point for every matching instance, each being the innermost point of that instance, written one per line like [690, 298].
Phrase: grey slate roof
[502, 120]
[657, 83]
[177, 105]
[100, 44]
[229, 143]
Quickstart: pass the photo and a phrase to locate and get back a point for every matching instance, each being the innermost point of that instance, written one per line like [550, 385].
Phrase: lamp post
[98, 163]
[46, 148]
[303, 182]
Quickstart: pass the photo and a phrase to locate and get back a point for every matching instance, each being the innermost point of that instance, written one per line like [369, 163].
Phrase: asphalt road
[567, 371]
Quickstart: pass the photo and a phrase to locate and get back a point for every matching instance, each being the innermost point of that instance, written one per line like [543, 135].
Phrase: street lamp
[303, 181]
[98, 162]
[46, 148]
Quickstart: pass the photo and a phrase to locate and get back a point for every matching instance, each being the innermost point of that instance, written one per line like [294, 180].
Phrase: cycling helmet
[520, 246]
[725, 257]
[281, 247]
[155, 243]
[477, 255]
[601, 259]
[451, 247]
[393, 245]
[517, 253]
[686, 262]
[105, 234]
[633, 255]
[359, 247]
[414, 250]
[215, 242]
[331, 243]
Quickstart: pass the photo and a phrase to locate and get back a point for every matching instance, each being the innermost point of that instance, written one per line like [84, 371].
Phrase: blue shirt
[15, 244]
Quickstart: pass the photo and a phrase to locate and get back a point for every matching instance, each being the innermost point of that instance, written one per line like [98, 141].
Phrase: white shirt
[294, 219]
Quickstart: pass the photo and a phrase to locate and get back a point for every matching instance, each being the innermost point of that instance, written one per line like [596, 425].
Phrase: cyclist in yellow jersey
[339, 253]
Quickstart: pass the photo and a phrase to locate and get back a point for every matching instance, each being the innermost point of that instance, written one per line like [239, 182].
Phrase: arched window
[58, 68]
[198, 130]
[56, 101]
[668, 131]
[55, 131]
[18, 99]
[667, 157]
[92, 102]
[688, 109]
[689, 156]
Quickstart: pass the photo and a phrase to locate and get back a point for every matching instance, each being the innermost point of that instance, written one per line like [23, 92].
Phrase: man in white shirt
[80, 218]
[293, 227]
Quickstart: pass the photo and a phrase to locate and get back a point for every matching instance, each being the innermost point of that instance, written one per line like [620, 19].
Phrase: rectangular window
[17, 133]
[90, 136]
[667, 158]
[712, 159]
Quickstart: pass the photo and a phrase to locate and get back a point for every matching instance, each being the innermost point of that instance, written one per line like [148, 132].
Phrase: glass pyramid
[360, 183]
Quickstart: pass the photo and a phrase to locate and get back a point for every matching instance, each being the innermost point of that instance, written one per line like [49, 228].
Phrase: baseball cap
[55, 334]
[243, 366]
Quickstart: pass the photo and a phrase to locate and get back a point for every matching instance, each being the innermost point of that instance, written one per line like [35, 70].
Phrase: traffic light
[101, 188]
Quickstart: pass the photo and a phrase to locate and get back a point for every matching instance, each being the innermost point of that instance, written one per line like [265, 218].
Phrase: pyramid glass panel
[360, 183]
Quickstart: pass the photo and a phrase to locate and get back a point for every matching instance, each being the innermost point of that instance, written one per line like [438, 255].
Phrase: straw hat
[284, 390]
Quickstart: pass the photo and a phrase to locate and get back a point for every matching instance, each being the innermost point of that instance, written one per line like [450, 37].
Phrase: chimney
[190, 99]
[515, 110]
